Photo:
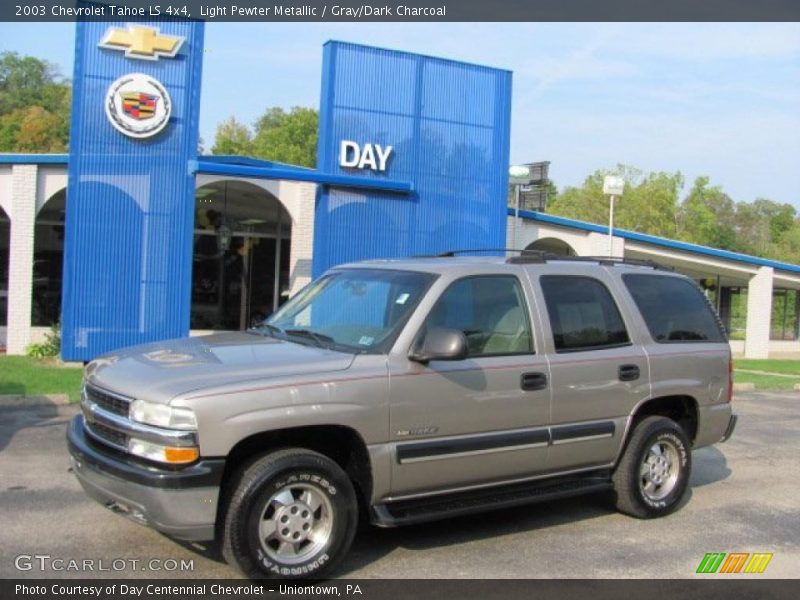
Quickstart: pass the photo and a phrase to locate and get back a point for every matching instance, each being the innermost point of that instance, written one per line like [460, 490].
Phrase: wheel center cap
[294, 522]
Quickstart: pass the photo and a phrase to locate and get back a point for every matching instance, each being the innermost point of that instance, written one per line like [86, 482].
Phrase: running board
[422, 510]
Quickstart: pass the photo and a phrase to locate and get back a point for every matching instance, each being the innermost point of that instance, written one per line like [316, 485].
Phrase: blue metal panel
[34, 159]
[658, 241]
[293, 173]
[448, 123]
[130, 202]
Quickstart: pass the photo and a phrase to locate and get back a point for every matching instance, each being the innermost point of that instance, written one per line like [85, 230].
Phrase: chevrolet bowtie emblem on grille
[142, 42]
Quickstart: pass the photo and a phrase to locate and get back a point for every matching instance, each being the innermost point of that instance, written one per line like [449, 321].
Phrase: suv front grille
[111, 402]
[108, 435]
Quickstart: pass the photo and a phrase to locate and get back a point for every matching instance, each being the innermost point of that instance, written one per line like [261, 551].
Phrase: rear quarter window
[674, 309]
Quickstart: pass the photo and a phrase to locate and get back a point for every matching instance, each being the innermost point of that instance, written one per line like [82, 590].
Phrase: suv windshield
[357, 310]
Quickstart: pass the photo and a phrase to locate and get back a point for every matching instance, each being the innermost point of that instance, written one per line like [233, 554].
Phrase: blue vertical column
[130, 196]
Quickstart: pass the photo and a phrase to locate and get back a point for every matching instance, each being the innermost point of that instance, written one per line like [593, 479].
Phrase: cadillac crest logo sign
[138, 105]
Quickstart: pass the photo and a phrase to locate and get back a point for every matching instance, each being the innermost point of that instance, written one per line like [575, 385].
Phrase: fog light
[166, 454]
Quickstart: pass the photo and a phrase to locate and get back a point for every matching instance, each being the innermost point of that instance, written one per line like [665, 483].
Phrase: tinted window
[582, 313]
[491, 312]
[674, 309]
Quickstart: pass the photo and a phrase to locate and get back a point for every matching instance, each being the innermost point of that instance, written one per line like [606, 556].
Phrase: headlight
[162, 415]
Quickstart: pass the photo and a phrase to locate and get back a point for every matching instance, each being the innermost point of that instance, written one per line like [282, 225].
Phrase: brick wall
[20, 267]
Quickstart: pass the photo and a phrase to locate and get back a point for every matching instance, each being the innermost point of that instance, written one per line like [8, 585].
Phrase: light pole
[613, 186]
[519, 175]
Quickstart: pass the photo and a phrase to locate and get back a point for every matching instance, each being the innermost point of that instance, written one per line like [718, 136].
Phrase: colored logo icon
[735, 562]
[144, 43]
[138, 105]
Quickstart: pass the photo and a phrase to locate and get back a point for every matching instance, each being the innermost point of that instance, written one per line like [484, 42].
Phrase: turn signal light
[181, 455]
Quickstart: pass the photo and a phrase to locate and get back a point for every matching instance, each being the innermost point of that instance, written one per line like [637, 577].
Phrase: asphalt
[744, 497]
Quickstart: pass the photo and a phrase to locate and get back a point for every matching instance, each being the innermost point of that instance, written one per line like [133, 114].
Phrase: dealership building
[133, 237]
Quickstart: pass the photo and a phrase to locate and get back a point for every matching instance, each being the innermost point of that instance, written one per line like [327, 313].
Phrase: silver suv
[407, 391]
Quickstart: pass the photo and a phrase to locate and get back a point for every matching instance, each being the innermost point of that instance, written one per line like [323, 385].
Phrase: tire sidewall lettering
[315, 563]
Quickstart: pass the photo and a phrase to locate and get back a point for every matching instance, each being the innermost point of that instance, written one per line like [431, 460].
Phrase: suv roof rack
[528, 256]
[453, 253]
[544, 257]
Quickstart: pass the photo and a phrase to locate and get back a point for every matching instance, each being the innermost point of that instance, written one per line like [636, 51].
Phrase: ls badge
[138, 105]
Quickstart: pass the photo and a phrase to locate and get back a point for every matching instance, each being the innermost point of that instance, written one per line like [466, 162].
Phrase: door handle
[629, 373]
[533, 381]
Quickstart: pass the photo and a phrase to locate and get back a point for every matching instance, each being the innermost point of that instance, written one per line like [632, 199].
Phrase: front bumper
[181, 503]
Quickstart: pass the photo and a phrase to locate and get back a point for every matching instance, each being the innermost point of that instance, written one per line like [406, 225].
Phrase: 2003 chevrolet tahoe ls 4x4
[410, 390]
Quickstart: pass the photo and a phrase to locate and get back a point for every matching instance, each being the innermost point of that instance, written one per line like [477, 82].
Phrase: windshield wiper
[271, 329]
[320, 339]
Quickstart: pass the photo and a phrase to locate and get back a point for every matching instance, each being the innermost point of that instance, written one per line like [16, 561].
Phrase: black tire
[253, 498]
[638, 494]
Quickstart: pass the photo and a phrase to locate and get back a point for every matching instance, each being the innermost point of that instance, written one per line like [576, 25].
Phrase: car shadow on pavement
[709, 465]
[17, 413]
[372, 543]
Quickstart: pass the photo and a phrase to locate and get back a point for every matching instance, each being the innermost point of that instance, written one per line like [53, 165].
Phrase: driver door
[481, 419]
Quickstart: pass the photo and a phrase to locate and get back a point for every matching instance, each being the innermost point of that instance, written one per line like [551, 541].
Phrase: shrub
[51, 347]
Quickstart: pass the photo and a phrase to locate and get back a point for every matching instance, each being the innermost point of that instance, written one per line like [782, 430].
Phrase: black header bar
[403, 10]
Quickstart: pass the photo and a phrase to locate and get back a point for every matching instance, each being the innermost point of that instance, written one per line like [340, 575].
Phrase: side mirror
[441, 344]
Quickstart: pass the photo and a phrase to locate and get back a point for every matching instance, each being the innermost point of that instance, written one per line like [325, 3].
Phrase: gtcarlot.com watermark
[46, 562]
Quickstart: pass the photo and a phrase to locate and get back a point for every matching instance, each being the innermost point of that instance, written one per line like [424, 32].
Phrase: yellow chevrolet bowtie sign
[142, 42]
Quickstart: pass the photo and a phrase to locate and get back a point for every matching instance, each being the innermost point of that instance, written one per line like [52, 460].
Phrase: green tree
[34, 105]
[707, 216]
[763, 226]
[289, 137]
[233, 137]
[278, 135]
[649, 203]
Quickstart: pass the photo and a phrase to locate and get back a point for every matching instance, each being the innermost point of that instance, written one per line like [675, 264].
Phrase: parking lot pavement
[744, 498]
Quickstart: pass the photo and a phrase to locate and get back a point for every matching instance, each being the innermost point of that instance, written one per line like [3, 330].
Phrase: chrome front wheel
[291, 513]
[296, 523]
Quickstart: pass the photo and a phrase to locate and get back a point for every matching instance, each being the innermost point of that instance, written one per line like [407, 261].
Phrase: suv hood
[160, 371]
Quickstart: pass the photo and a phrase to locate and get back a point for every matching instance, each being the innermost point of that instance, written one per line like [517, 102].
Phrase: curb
[745, 387]
[18, 401]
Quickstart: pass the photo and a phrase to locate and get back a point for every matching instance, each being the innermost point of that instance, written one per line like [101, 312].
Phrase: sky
[721, 100]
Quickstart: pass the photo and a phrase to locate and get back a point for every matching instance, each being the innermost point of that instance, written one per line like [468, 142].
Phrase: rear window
[675, 309]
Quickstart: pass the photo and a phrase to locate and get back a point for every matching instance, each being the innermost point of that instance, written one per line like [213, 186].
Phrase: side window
[583, 315]
[674, 309]
[490, 310]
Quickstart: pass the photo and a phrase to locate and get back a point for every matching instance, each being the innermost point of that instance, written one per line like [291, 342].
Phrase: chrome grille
[113, 403]
[107, 435]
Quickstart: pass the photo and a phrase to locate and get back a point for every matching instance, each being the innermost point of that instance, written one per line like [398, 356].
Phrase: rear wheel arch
[682, 409]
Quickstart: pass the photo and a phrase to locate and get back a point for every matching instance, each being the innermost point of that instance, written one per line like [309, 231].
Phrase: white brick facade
[759, 312]
[299, 199]
[20, 260]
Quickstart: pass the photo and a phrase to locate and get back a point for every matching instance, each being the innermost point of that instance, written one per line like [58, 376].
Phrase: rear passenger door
[598, 373]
